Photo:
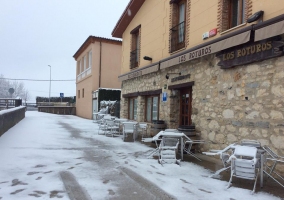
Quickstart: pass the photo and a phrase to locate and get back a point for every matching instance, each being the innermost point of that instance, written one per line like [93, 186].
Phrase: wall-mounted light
[167, 75]
[256, 16]
[147, 58]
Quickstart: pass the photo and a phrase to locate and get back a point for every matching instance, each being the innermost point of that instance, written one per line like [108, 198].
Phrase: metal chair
[188, 145]
[128, 128]
[112, 128]
[167, 150]
[141, 128]
[243, 164]
[274, 159]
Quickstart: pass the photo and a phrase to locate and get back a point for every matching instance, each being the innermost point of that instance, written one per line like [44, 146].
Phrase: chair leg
[255, 181]
[230, 181]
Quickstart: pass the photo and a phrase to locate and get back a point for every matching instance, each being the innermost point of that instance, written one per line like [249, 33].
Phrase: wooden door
[185, 106]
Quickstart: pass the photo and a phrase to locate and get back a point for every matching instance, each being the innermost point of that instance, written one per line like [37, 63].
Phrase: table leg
[261, 169]
[181, 147]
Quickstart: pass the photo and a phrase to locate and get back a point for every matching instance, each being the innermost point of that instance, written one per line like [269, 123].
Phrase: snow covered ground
[35, 153]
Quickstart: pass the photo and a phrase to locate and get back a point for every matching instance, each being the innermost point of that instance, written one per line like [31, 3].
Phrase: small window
[135, 47]
[83, 93]
[132, 109]
[152, 108]
[78, 94]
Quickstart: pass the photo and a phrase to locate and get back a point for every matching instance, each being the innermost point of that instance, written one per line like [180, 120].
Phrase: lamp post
[49, 81]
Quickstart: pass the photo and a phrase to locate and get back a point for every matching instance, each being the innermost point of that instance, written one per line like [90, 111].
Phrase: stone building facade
[232, 85]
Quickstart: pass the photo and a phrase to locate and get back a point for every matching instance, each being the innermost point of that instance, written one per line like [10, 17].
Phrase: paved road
[129, 183]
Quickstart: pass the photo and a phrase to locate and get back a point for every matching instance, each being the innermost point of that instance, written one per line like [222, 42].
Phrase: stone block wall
[228, 105]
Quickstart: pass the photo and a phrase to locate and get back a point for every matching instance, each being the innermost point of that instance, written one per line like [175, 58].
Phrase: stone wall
[228, 105]
[10, 117]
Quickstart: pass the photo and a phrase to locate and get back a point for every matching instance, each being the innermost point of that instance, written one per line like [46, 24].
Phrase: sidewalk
[53, 156]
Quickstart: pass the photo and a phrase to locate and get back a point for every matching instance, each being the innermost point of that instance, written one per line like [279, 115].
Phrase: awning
[139, 72]
[269, 31]
[220, 45]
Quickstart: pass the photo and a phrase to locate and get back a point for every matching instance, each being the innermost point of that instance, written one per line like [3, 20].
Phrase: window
[177, 31]
[81, 66]
[236, 13]
[233, 13]
[83, 93]
[152, 108]
[135, 47]
[90, 59]
[132, 109]
[78, 94]
[78, 67]
[85, 62]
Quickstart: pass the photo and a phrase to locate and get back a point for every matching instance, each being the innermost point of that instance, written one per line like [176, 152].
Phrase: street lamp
[49, 82]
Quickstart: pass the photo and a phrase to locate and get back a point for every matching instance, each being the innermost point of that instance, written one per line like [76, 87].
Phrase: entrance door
[185, 106]
[95, 105]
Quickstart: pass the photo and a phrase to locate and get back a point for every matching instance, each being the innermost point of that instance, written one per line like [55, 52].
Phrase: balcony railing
[134, 58]
[177, 37]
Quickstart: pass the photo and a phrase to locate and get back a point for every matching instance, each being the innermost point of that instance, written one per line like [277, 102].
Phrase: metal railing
[177, 37]
[134, 58]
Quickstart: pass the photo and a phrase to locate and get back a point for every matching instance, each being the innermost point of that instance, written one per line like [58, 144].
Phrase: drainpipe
[100, 67]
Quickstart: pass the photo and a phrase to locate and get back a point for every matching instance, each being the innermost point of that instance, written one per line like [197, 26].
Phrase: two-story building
[216, 64]
[98, 66]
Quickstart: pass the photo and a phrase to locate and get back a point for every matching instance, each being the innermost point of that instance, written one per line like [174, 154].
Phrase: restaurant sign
[249, 53]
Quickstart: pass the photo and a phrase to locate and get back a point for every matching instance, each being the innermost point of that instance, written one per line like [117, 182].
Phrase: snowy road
[61, 157]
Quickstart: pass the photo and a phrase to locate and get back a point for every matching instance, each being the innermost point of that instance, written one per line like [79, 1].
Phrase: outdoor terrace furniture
[129, 128]
[141, 128]
[188, 145]
[167, 150]
[243, 164]
[274, 159]
[119, 122]
[112, 128]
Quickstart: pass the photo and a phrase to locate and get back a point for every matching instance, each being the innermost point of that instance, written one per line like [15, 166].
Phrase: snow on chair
[129, 128]
[243, 164]
[167, 150]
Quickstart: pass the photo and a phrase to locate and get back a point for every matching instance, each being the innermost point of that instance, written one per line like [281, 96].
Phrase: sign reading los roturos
[251, 52]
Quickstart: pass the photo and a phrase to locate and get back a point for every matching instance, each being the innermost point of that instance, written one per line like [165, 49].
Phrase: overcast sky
[38, 33]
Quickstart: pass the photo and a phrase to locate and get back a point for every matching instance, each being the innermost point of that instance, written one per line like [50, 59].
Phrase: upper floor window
[177, 31]
[135, 47]
[90, 59]
[236, 13]
[78, 67]
[83, 91]
[78, 94]
[233, 13]
[81, 66]
[85, 62]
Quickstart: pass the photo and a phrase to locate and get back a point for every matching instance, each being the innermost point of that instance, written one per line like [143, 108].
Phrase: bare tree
[19, 89]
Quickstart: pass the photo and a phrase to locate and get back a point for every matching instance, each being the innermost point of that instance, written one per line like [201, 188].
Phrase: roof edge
[92, 39]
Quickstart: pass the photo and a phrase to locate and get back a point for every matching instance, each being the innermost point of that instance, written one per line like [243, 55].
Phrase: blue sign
[61, 95]
[164, 96]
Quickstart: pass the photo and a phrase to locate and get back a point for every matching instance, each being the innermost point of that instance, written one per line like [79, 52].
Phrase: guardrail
[10, 117]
